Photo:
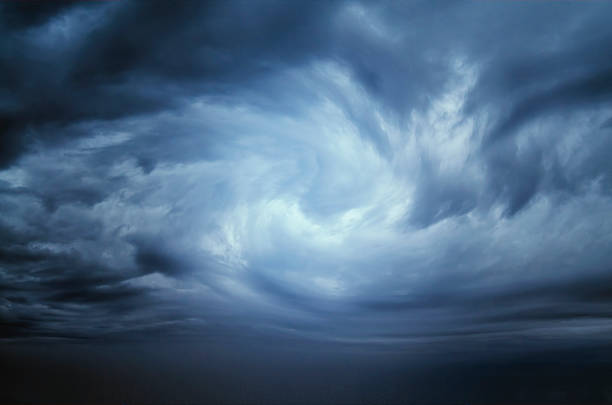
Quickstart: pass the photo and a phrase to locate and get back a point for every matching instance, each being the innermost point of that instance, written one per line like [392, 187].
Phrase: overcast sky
[399, 178]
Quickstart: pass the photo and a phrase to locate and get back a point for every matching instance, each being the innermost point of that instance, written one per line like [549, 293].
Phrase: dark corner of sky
[306, 202]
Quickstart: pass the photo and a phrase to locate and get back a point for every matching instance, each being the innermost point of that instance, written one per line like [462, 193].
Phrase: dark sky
[306, 202]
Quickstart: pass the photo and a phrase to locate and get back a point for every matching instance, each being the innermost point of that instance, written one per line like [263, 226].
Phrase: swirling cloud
[329, 172]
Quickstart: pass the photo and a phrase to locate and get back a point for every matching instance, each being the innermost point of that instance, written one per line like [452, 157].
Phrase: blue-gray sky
[409, 177]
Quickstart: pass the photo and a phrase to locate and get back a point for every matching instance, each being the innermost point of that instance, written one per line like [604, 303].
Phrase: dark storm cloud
[537, 77]
[128, 61]
[594, 87]
[123, 66]
[551, 300]
[355, 173]
[20, 15]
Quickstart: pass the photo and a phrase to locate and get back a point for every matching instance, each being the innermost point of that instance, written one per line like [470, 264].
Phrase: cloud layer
[388, 176]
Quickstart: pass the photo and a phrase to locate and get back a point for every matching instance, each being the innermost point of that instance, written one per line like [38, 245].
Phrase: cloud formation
[343, 172]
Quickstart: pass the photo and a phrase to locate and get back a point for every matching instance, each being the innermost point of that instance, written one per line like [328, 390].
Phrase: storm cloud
[399, 177]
